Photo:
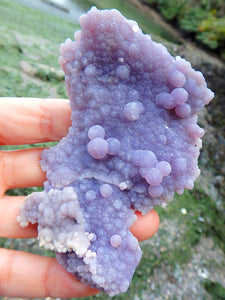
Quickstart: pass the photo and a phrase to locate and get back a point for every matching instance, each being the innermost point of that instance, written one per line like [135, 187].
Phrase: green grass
[202, 218]
[35, 23]
[32, 36]
[215, 289]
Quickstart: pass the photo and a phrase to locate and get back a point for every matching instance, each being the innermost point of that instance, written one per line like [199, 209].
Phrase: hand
[27, 121]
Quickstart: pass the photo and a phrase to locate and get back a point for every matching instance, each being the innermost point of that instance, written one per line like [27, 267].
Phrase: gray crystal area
[133, 143]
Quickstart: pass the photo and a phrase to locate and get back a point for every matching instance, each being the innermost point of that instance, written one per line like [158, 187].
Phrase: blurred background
[185, 259]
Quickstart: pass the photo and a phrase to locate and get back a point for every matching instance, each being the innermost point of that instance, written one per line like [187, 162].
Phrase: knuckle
[46, 122]
[7, 166]
[6, 262]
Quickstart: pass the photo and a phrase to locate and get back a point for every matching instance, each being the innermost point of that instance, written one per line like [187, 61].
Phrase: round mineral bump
[123, 72]
[183, 110]
[90, 195]
[164, 167]
[180, 95]
[177, 78]
[123, 186]
[195, 131]
[106, 190]
[115, 240]
[133, 110]
[133, 95]
[166, 100]
[179, 165]
[189, 184]
[96, 131]
[98, 148]
[113, 146]
[153, 176]
[144, 158]
[90, 70]
[155, 191]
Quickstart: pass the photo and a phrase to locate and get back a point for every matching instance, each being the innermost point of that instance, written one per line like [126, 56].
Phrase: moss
[202, 218]
[215, 289]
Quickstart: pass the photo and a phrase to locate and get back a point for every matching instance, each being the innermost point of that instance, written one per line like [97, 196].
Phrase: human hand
[27, 121]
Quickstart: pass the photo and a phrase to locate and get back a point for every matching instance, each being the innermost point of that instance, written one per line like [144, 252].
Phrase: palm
[26, 121]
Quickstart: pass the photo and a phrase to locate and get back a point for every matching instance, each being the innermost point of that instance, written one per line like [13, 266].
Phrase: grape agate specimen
[133, 143]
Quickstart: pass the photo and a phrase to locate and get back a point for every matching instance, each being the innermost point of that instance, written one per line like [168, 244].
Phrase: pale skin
[27, 121]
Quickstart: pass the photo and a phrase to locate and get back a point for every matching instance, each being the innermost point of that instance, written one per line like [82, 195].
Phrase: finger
[146, 225]
[9, 227]
[21, 168]
[33, 120]
[143, 228]
[32, 276]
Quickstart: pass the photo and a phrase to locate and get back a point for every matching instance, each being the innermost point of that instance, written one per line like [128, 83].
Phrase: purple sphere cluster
[133, 143]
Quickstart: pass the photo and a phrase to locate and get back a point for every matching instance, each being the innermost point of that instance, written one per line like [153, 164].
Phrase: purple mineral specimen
[133, 143]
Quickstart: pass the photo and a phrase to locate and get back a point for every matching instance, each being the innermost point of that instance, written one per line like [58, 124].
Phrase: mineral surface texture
[133, 143]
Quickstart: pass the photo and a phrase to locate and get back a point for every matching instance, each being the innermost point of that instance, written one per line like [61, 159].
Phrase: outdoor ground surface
[185, 259]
